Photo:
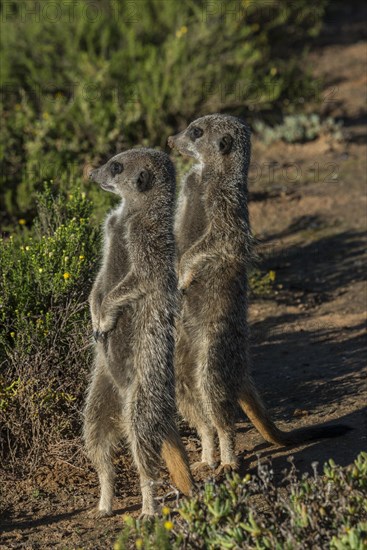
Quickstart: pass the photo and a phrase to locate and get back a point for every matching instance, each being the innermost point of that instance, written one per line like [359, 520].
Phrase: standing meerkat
[214, 243]
[133, 305]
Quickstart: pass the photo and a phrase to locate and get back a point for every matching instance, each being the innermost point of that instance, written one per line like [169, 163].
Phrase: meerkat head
[136, 174]
[213, 138]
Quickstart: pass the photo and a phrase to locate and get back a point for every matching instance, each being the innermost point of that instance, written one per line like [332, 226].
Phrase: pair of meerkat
[139, 373]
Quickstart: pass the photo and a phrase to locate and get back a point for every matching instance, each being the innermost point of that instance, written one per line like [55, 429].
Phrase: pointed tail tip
[174, 455]
[319, 432]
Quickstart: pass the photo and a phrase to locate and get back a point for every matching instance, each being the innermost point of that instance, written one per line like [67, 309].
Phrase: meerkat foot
[147, 516]
[224, 469]
[203, 470]
[96, 513]
[204, 464]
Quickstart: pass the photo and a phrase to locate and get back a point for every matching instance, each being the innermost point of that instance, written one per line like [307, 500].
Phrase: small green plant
[45, 279]
[299, 128]
[317, 511]
[262, 283]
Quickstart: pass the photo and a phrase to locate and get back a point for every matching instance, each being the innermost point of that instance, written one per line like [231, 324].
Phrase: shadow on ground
[318, 268]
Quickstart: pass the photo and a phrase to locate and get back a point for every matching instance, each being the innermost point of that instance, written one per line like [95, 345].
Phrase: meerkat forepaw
[100, 336]
[185, 280]
[106, 324]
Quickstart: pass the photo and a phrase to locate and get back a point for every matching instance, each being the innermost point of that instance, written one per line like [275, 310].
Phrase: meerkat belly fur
[133, 305]
[214, 243]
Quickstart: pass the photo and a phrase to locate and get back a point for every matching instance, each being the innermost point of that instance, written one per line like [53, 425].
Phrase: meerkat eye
[195, 133]
[144, 181]
[116, 168]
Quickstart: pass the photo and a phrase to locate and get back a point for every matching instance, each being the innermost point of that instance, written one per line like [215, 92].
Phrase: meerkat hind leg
[102, 434]
[140, 449]
[228, 459]
[207, 436]
[148, 492]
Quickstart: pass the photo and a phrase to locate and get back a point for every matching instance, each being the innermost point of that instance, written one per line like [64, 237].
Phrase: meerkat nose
[92, 174]
[171, 142]
[87, 171]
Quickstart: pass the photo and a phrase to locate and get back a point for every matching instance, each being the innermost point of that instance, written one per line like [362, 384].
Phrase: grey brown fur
[214, 242]
[133, 304]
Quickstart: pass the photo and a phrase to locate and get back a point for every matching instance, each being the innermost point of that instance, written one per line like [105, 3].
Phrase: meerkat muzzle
[87, 170]
[171, 142]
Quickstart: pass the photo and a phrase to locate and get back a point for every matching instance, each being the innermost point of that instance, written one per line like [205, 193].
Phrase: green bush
[79, 84]
[318, 511]
[299, 129]
[46, 276]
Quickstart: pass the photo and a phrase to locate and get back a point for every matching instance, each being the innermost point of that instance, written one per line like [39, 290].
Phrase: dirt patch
[308, 211]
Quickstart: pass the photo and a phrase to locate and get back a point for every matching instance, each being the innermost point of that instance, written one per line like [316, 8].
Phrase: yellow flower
[66, 276]
[181, 32]
[27, 247]
[12, 334]
[139, 543]
[272, 275]
[22, 221]
[81, 257]
[168, 525]
[45, 116]
[166, 511]
[40, 269]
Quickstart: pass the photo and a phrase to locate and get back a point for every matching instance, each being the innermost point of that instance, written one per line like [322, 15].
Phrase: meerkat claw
[100, 336]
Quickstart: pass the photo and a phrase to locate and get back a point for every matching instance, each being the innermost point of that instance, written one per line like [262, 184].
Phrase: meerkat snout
[92, 173]
[171, 142]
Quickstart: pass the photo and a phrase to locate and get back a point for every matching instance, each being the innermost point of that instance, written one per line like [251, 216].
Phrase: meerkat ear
[225, 144]
[144, 181]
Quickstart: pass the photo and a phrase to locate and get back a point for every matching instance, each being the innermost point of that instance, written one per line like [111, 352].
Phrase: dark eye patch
[116, 168]
[144, 181]
[195, 133]
[226, 144]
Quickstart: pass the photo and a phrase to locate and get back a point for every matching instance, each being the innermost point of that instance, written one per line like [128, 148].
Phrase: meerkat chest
[116, 261]
[192, 220]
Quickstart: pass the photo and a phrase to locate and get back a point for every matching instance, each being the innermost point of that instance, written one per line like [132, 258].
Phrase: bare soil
[309, 212]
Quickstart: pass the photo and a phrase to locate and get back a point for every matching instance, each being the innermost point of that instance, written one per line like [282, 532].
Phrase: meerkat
[215, 244]
[133, 305]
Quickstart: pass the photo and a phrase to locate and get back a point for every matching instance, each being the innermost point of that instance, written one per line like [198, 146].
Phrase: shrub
[82, 83]
[318, 511]
[44, 359]
[299, 128]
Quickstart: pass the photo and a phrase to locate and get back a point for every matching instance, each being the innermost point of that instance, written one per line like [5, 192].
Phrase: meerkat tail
[254, 408]
[252, 405]
[174, 455]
